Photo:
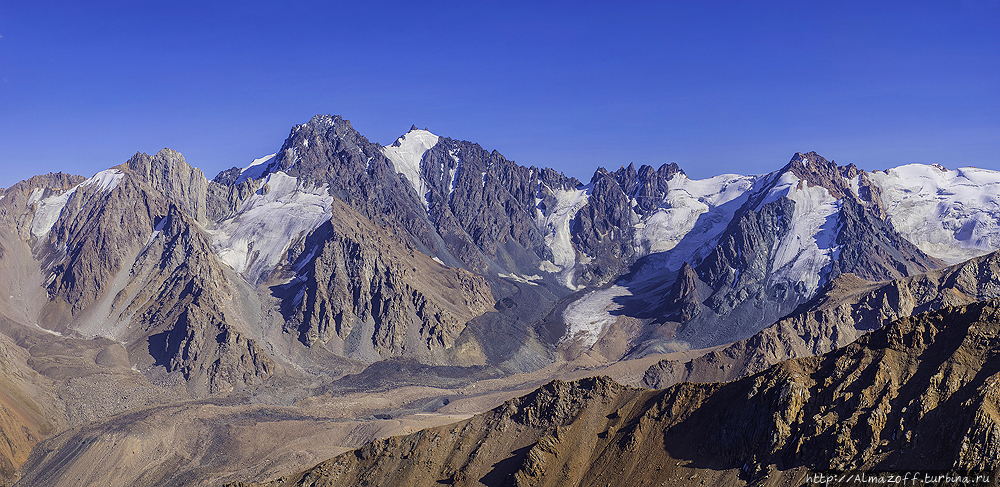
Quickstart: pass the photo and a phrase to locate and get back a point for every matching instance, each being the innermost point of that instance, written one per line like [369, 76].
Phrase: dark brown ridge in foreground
[919, 394]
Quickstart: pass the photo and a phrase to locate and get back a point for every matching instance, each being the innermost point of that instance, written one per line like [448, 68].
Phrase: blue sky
[718, 87]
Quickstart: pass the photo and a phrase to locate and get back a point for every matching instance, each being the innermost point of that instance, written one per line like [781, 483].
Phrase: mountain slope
[760, 247]
[122, 259]
[844, 310]
[919, 394]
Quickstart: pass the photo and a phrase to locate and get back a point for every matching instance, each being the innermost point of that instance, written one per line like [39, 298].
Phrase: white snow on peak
[253, 241]
[694, 214]
[557, 233]
[256, 168]
[406, 154]
[953, 215]
[787, 183]
[105, 180]
[49, 209]
[810, 244]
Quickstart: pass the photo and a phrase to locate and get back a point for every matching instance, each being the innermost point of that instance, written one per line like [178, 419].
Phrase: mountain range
[338, 266]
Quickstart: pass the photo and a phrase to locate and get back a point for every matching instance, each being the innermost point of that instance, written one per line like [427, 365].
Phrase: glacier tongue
[810, 244]
[679, 226]
[253, 241]
[587, 317]
[952, 215]
[406, 154]
[556, 229]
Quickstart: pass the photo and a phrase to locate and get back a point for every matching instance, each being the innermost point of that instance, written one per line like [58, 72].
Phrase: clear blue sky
[717, 87]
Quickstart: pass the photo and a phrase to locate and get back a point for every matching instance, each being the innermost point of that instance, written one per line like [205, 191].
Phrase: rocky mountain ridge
[919, 394]
[337, 259]
[772, 241]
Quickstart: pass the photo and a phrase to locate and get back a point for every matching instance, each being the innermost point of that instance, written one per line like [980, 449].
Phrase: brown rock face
[684, 297]
[603, 229]
[919, 394]
[183, 316]
[126, 258]
[367, 281]
[168, 173]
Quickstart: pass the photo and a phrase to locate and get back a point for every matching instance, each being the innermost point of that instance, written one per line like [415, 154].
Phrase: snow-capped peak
[105, 180]
[256, 169]
[953, 214]
[406, 154]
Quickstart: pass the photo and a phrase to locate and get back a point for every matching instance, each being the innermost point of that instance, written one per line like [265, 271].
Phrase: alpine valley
[430, 312]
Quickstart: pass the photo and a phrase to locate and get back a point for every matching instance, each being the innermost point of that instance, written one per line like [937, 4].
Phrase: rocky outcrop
[844, 310]
[363, 281]
[740, 265]
[684, 296]
[476, 197]
[181, 313]
[648, 186]
[123, 256]
[919, 394]
[98, 231]
[603, 230]
[168, 173]
[21, 201]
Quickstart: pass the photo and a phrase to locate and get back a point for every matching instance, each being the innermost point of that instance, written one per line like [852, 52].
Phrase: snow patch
[522, 279]
[48, 212]
[298, 296]
[156, 231]
[453, 172]
[36, 194]
[952, 215]
[406, 154]
[587, 317]
[786, 183]
[105, 180]
[253, 241]
[855, 184]
[303, 262]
